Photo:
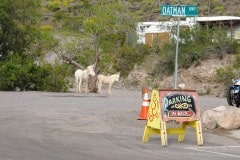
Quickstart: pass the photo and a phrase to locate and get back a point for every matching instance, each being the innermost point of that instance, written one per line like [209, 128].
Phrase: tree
[21, 45]
[69, 48]
[103, 28]
[105, 23]
[18, 21]
[108, 22]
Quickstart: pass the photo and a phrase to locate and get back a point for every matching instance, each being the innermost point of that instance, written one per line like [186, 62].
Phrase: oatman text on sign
[179, 10]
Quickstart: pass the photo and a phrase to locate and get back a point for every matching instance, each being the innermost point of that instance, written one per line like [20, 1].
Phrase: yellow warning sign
[153, 119]
[161, 110]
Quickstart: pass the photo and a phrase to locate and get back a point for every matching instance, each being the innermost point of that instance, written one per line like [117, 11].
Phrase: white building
[159, 27]
[232, 22]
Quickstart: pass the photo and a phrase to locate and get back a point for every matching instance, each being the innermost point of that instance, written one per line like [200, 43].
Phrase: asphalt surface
[90, 126]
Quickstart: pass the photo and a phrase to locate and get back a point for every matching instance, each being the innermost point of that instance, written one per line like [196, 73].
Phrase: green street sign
[179, 10]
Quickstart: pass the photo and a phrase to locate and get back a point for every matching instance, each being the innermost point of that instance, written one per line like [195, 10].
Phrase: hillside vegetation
[102, 31]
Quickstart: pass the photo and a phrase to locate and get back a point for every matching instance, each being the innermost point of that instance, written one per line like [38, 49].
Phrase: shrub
[52, 78]
[22, 72]
[54, 5]
[189, 54]
[224, 75]
[165, 66]
[233, 47]
[46, 27]
[236, 63]
[128, 56]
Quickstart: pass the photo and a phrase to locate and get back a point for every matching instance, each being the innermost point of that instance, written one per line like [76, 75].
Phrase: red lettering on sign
[177, 113]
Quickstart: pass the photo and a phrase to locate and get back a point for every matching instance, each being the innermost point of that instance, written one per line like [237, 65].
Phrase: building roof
[217, 18]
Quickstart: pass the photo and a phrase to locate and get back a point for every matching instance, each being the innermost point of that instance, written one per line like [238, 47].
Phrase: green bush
[233, 48]
[53, 78]
[59, 15]
[189, 54]
[195, 46]
[54, 5]
[22, 72]
[165, 66]
[219, 9]
[224, 75]
[14, 73]
[128, 56]
[103, 64]
[236, 63]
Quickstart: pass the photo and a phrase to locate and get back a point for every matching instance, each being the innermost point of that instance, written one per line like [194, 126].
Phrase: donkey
[102, 79]
[81, 76]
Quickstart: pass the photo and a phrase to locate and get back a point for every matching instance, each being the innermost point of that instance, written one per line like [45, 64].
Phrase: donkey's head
[90, 70]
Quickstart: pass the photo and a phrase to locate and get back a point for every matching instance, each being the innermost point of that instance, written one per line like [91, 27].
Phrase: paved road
[69, 126]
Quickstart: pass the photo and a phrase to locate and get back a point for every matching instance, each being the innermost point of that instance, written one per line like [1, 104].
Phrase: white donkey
[102, 79]
[81, 76]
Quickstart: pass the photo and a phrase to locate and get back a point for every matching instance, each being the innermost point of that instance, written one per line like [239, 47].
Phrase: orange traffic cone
[145, 105]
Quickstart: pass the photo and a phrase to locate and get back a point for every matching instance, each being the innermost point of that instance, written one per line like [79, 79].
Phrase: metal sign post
[176, 59]
[178, 10]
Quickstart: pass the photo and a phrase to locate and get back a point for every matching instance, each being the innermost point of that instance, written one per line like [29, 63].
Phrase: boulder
[222, 117]
[182, 86]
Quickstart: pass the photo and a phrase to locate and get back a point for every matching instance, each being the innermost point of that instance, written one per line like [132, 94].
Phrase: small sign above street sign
[179, 10]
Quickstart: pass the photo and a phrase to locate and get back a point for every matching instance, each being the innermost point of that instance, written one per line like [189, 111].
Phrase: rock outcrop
[221, 117]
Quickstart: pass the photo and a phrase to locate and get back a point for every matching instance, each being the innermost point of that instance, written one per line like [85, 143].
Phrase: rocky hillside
[200, 78]
[150, 9]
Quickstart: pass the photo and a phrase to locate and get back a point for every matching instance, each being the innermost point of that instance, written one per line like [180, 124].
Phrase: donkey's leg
[99, 85]
[109, 88]
[79, 86]
[76, 80]
[86, 85]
